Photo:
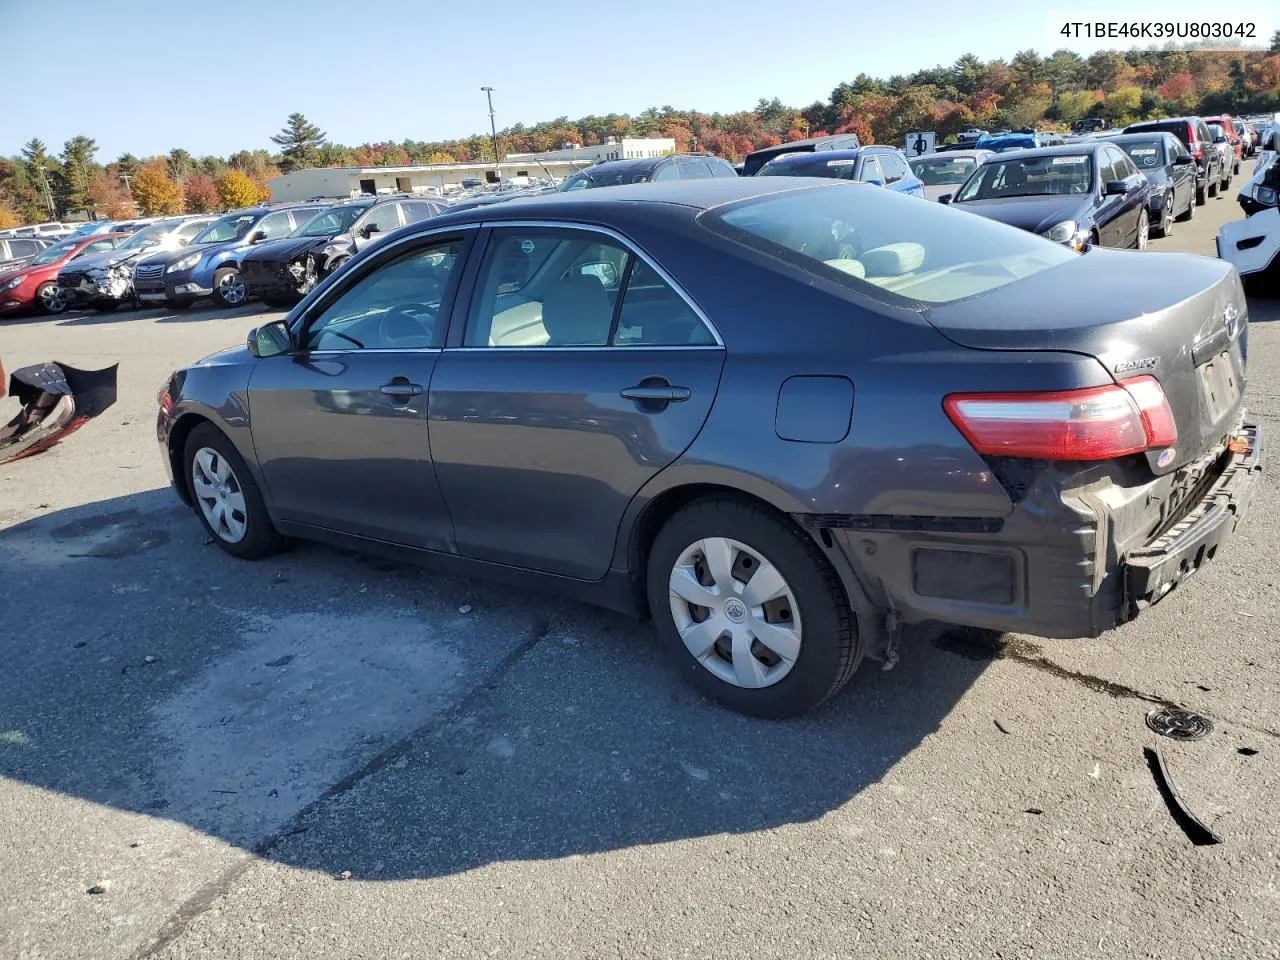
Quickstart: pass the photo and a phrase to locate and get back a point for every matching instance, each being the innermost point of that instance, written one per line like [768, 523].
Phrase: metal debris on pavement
[1178, 724]
[1197, 831]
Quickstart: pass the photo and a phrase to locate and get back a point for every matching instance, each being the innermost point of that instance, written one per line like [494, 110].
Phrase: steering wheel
[413, 311]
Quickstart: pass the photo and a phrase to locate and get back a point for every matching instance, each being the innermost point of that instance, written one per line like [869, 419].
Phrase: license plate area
[1219, 386]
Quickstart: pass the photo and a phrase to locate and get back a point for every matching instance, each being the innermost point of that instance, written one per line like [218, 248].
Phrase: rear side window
[881, 243]
[24, 248]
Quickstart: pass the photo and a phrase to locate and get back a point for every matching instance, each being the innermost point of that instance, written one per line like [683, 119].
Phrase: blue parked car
[883, 166]
[210, 265]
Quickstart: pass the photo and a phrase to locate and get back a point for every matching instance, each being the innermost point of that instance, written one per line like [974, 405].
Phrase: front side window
[873, 243]
[1030, 177]
[147, 237]
[397, 306]
[188, 230]
[578, 289]
[275, 225]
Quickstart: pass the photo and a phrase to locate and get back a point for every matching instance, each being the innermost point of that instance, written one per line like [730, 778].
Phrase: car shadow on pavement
[336, 712]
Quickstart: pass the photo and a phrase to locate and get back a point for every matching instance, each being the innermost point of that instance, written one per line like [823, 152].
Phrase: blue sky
[145, 76]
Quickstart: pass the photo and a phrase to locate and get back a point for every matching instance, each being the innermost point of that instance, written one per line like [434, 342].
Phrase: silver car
[943, 173]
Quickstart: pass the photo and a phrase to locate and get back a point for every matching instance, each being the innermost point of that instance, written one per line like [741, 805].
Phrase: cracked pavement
[325, 756]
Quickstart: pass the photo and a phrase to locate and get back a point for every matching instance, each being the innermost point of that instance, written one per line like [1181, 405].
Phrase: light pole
[493, 128]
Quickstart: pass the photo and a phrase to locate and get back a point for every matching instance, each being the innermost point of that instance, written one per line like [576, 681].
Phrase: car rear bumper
[1062, 564]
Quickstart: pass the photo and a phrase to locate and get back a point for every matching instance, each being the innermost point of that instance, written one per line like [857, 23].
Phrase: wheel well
[178, 434]
[661, 509]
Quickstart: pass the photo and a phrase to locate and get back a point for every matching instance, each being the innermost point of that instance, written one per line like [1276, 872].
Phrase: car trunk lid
[1182, 319]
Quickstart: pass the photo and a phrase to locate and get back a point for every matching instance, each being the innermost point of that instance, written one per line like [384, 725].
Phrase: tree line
[1028, 90]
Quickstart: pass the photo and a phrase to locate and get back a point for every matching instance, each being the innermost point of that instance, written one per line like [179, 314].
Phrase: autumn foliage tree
[201, 193]
[8, 218]
[108, 197]
[235, 190]
[156, 193]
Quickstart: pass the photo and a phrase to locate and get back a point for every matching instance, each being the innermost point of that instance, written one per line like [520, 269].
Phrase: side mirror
[1116, 188]
[257, 236]
[946, 198]
[269, 340]
[1185, 160]
[369, 230]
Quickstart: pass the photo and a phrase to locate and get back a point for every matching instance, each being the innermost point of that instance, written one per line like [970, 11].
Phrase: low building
[626, 148]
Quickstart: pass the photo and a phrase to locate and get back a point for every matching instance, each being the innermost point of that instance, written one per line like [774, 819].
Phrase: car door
[1181, 174]
[579, 373]
[376, 224]
[340, 425]
[1109, 207]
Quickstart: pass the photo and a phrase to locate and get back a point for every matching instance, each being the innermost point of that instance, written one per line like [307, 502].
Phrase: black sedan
[780, 416]
[1171, 171]
[1080, 195]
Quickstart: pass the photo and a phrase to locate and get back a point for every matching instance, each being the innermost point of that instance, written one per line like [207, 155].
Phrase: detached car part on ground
[591, 393]
[56, 401]
[281, 272]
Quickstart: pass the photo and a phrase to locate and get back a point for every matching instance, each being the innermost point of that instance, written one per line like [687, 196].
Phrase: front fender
[230, 414]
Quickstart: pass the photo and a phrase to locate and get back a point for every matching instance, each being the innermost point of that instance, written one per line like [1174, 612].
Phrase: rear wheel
[228, 287]
[1212, 189]
[50, 298]
[1166, 219]
[1202, 195]
[749, 610]
[1144, 230]
[1190, 212]
[226, 497]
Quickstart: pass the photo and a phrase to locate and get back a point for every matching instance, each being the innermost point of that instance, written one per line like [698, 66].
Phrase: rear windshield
[1145, 154]
[878, 240]
[942, 170]
[810, 165]
[1177, 127]
[751, 166]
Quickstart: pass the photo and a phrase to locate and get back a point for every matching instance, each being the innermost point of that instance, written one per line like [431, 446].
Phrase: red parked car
[35, 283]
[1228, 125]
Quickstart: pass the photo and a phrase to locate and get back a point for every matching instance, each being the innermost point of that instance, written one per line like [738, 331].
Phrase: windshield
[147, 235]
[232, 227]
[57, 251]
[939, 171]
[882, 241]
[810, 165]
[1145, 154]
[1030, 177]
[333, 221]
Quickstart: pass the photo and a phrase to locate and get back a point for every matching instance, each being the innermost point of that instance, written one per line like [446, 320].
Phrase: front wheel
[1190, 212]
[749, 609]
[226, 497]
[228, 287]
[1144, 230]
[50, 298]
[1202, 195]
[1166, 219]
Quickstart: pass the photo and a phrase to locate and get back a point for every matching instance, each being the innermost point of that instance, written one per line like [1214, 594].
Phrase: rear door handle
[656, 393]
[400, 387]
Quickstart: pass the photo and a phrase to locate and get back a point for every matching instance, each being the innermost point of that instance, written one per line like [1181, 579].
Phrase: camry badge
[1128, 366]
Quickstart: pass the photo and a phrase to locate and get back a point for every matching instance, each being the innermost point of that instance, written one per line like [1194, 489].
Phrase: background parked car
[945, 172]
[15, 251]
[210, 266]
[758, 158]
[35, 285]
[1223, 145]
[1080, 194]
[1195, 136]
[105, 281]
[281, 272]
[1171, 171]
[1228, 125]
[882, 166]
[612, 173]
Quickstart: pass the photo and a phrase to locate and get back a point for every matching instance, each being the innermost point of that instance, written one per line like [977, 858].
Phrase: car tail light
[1097, 423]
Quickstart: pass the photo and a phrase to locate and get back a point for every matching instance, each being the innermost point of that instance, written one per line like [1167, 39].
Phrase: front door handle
[401, 388]
[650, 392]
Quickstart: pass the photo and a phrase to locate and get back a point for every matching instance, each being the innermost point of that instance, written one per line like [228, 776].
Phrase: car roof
[954, 154]
[806, 158]
[616, 166]
[673, 197]
[1061, 150]
[1136, 136]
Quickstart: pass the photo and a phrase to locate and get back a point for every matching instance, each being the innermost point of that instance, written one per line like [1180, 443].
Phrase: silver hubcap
[1142, 231]
[53, 299]
[735, 612]
[232, 288]
[219, 494]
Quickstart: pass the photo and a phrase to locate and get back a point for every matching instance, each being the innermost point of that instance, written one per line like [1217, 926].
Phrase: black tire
[1144, 223]
[831, 649]
[223, 276]
[1202, 195]
[260, 537]
[1212, 189]
[48, 303]
[1165, 228]
[179, 303]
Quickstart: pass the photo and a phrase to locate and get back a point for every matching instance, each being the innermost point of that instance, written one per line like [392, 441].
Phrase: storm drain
[1179, 724]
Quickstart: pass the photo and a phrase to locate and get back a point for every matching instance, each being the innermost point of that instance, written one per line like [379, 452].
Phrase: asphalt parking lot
[328, 755]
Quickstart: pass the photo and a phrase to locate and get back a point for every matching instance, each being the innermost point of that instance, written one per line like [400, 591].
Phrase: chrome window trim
[635, 349]
[361, 351]
[630, 246]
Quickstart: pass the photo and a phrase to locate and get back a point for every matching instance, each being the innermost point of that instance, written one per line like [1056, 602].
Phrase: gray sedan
[780, 416]
[943, 173]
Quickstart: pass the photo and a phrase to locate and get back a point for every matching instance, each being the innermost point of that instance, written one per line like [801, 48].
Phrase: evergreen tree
[300, 141]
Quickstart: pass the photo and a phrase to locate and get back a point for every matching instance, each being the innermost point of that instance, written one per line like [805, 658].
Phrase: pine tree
[300, 141]
[39, 168]
[77, 173]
